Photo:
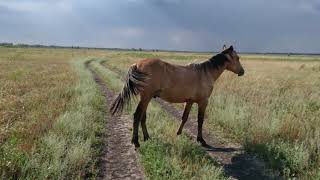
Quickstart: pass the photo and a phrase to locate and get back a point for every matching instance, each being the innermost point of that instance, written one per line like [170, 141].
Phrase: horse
[192, 83]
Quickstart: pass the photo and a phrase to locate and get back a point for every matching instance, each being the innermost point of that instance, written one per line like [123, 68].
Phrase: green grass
[166, 155]
[273, 111]
[36, 88]
[174, 157]
[67, 150]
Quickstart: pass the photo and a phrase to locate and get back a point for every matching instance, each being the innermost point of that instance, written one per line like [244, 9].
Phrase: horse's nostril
[241, 72]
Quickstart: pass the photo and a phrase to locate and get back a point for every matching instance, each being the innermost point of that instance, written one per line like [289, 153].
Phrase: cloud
[311, 6]
[34, 6]
[278, 26]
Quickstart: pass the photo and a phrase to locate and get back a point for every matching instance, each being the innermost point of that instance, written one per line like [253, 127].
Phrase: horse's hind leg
[144, 127]
[137, 117]
[136, 121]
[185, 116]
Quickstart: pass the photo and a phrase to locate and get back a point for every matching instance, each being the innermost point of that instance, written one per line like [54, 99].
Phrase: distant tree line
[6, 44]
[12, 45]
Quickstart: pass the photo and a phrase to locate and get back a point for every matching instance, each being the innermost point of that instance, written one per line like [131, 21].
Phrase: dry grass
[273, 110]
[275, 106]
[33, 93]
[36, 87]
[70, 149]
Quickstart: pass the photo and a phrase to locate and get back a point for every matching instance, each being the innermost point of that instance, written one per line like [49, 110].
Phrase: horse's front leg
[201, 110]
[185, 116]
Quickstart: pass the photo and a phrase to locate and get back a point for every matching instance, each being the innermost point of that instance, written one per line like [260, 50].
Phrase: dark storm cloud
[278, 26]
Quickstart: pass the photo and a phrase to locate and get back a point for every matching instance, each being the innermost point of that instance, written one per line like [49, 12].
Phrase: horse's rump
[134, 83]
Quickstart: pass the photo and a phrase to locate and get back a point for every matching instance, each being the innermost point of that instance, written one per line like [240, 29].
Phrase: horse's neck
[216, 73]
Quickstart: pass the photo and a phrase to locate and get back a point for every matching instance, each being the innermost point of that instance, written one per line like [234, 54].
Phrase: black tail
[134, 82]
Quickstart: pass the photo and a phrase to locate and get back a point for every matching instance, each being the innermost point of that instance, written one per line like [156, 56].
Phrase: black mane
[215, 62]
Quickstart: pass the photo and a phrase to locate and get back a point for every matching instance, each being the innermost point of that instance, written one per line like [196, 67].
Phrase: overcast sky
[205, 25]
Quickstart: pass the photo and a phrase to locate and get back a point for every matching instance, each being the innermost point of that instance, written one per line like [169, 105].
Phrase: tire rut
[119, 159]
[237, 163]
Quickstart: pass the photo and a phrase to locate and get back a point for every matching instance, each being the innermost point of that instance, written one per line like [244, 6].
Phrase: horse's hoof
[136, 144]
[178, 133]
[202, 141]
[146, 138]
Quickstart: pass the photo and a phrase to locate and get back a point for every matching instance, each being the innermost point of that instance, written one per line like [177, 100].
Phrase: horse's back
[155, 68]
[146, 65]
[171, 82]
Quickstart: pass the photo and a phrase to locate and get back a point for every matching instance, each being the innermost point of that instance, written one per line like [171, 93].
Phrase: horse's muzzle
[241, 72]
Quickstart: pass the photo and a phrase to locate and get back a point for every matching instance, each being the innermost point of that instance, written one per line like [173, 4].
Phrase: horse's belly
[176, 96]
[174, 99]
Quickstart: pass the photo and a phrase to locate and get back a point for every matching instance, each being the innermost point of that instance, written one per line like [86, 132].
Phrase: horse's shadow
[215, 149]
[244, 165]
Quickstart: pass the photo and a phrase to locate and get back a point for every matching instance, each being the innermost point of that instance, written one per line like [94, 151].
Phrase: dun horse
[188, 84]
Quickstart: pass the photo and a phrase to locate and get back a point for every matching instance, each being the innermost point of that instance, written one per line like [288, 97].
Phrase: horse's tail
[134, 83]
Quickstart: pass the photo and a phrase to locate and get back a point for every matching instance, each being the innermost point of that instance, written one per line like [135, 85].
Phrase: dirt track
[237, 163]
[119, 159]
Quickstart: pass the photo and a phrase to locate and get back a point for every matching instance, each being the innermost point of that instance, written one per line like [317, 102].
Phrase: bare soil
[119, 158]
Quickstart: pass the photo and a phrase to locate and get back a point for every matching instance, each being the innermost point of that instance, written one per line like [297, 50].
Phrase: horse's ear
[231, 48]
[224, 47]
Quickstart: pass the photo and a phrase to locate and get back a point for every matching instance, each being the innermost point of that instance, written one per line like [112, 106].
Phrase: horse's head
[233, 61]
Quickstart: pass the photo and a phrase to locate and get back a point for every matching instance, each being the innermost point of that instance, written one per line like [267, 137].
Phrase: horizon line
[27, 45]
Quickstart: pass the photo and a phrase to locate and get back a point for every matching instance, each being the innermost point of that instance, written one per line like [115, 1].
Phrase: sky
[196, 25]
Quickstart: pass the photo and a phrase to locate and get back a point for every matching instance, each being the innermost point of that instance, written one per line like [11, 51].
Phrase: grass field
[49, 101]
[41, 90]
